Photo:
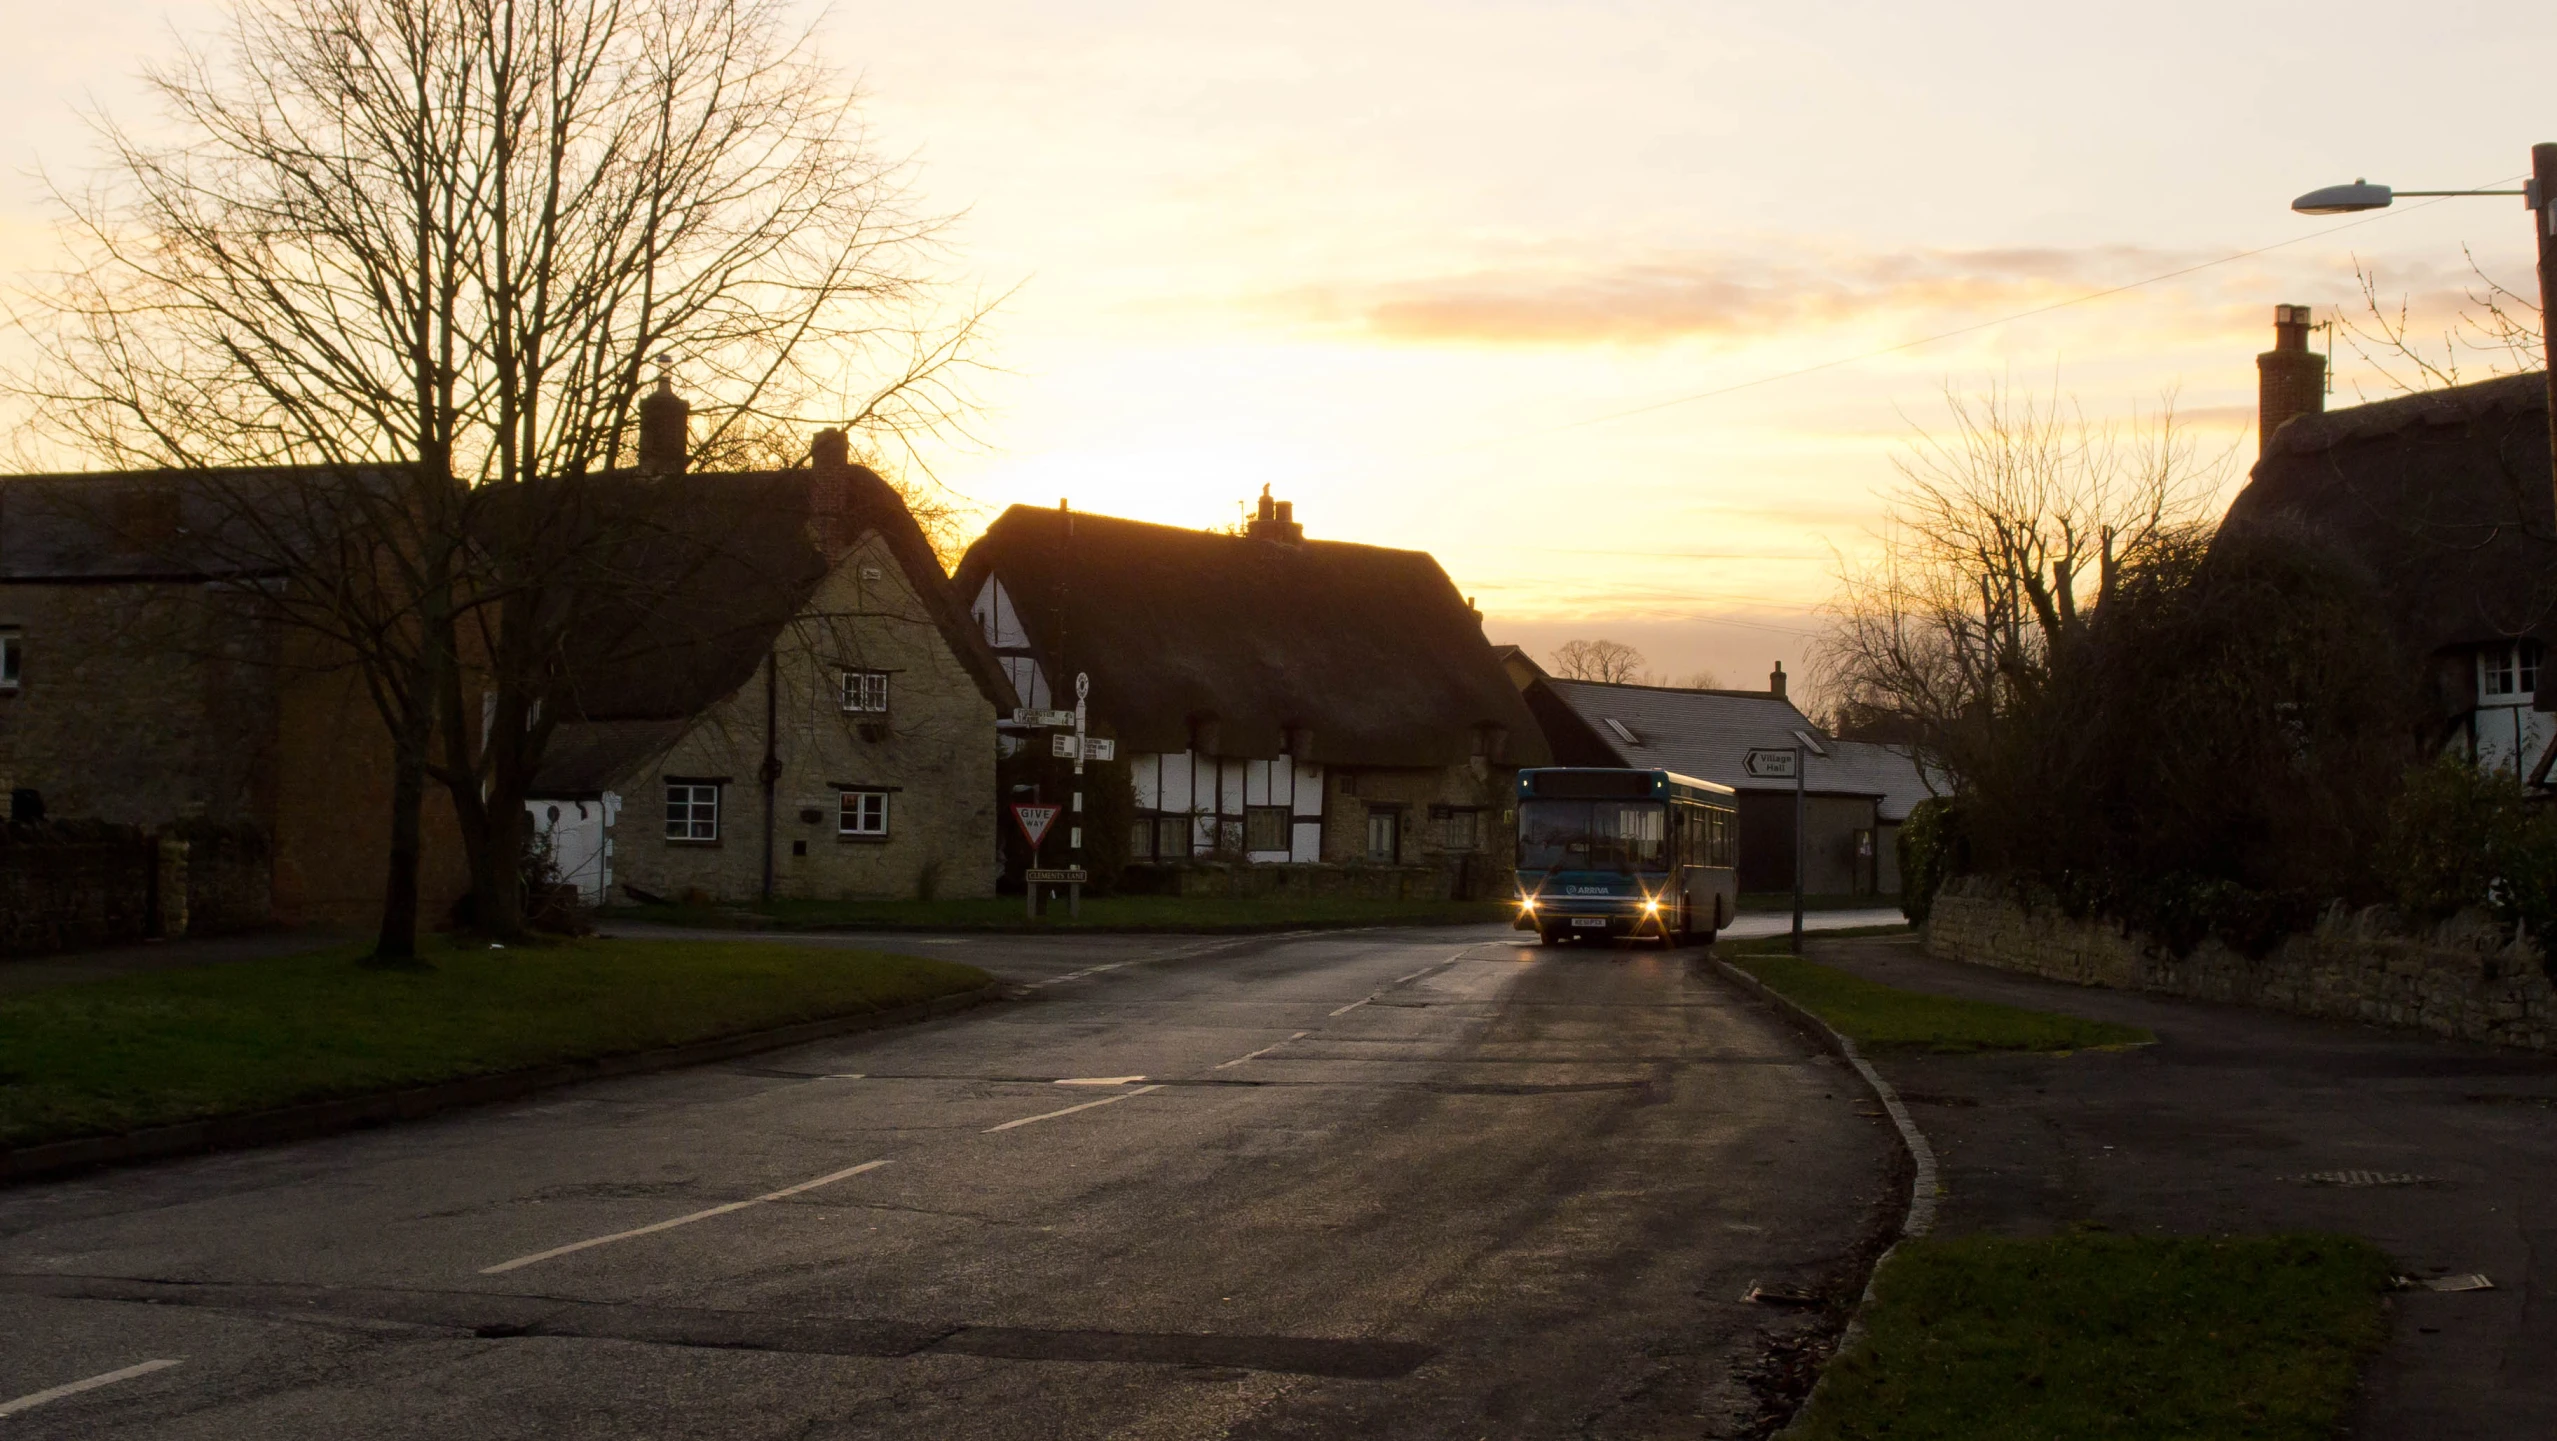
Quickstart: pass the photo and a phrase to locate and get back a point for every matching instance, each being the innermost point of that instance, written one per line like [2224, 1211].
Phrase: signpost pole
[1030, 888]
[1074, 825]
[1801, 845]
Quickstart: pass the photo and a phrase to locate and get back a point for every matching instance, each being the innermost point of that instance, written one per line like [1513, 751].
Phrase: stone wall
[69, 885]
[2465, 979]
[66, 885]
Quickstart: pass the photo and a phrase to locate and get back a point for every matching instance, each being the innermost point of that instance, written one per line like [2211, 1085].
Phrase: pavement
[2244, 1121]
[1425, 1183]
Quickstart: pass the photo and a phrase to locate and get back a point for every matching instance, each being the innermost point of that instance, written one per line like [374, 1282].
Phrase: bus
[1605, 853]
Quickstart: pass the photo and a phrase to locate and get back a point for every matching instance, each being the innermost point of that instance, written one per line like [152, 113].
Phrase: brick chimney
[830, 491]
[1776, 682]
[1275, 521]
[665, 430]
[2290, 377]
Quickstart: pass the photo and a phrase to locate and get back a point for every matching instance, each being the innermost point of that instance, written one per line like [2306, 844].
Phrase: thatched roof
[2444, 496]
[1370, 650]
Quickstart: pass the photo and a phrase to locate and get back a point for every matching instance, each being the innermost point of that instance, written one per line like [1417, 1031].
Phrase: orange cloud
[1712, 296]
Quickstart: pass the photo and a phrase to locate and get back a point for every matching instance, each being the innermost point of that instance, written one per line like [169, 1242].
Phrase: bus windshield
[1574, 835]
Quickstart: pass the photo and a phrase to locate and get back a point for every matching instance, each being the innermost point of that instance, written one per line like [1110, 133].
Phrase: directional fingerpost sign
[1770, 763]
[1034, 821]
[1091, 748]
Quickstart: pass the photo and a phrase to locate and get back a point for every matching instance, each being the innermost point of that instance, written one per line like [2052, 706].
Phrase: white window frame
[2508, 672]
[856, 816]
[9, 658]
[864, 692]
[692, 805]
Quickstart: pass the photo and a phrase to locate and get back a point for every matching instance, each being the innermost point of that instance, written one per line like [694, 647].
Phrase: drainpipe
[772, 760]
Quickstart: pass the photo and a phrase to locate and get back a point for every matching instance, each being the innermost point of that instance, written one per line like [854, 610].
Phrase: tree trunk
[397, 943]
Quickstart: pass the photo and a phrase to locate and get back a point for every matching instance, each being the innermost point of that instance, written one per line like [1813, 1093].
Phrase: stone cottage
[777, 663]
[1280, 702]
[804, 711]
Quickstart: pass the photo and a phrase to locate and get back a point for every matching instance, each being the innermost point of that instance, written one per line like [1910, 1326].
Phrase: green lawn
[1883, 1017]
[179, 1045]
[2107, 1338]
[1100, 913]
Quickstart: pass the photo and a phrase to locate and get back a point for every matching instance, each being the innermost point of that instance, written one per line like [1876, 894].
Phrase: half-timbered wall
[1011, 644]
[1216, 794]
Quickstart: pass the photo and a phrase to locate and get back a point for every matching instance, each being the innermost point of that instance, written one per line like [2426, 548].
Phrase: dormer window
[2508, 672]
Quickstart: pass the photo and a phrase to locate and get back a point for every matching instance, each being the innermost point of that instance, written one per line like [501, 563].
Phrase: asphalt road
[1407, 1183]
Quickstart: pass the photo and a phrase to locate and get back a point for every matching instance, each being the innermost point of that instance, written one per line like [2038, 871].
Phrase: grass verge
[2121, 1338]
[1100, 913]
[1886, 1018]
[118, 1055]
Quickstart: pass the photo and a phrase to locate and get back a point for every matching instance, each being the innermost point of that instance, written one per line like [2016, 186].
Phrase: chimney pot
[1776, 682]
[1276, 520]
[665, 426]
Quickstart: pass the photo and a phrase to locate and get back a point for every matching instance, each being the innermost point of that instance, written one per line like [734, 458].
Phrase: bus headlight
[1527, 904]
[1651, 908]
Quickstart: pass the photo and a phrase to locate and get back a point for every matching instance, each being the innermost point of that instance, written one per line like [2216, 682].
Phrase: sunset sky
[1402, 260]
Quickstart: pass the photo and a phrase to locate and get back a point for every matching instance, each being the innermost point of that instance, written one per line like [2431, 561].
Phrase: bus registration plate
[1589, 920]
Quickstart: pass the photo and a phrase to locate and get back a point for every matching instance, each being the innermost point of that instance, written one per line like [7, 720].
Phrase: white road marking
[1100, 1080]
[1070, 1110]
[34, 1399]
[786, 1191]
[1354, 1005]
[1263, 1051]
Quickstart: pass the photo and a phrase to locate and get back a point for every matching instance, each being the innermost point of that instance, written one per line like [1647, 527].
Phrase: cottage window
[1460, 828]
[1141, 839]
[1265, 828]
[8, 659]
[1172, 838]
[865, 692]
[2509, 671]
[865, 813]
[692, 810]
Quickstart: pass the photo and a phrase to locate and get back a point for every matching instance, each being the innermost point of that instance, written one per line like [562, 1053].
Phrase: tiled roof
[1708, 733]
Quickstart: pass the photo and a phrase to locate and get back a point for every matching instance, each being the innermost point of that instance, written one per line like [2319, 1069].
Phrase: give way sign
[1034, 822]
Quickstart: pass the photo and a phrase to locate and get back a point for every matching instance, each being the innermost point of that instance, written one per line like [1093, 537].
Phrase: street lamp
[2540, 195]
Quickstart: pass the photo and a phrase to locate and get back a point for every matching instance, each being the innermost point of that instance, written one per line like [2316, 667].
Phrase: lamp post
[2541, 198]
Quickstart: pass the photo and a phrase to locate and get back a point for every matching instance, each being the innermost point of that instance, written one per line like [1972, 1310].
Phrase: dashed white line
[1100, 1080]
[1354, 1005]
[785, 1192]
[1263, 1051]
[33, 1399]
[1070, 1110]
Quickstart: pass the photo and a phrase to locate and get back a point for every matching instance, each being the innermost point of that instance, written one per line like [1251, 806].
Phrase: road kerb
[1925, 1186]
[328, 1118]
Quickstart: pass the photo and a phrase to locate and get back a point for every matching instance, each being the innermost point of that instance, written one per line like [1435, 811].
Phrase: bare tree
[429, 252]
[1600, 660]
[1699, 680]
[2496, 323]
[2007, 530]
